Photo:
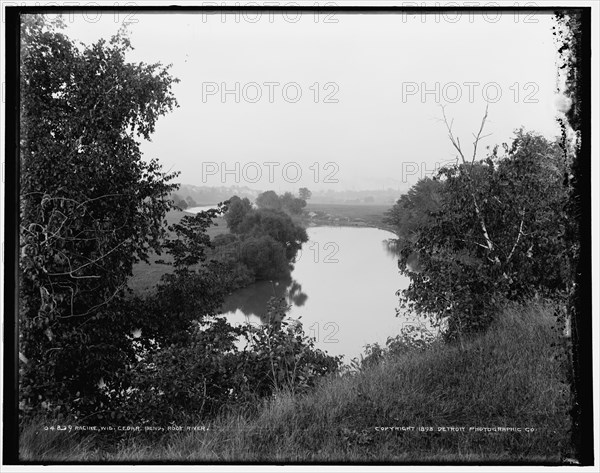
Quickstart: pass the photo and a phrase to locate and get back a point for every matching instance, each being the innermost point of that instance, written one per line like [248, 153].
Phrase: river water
[343, 290]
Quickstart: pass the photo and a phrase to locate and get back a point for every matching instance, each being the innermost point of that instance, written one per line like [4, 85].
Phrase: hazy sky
[352, 98]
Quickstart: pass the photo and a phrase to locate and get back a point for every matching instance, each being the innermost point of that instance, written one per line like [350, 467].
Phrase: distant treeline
[192, 196]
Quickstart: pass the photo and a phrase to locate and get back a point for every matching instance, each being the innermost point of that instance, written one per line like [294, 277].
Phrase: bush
[412, 338]
[281, 356]
[196, 379]
[186, 381]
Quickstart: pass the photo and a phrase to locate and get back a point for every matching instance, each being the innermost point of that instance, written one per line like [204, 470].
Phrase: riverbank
[347, 215]
[146, 276]
[503, 397]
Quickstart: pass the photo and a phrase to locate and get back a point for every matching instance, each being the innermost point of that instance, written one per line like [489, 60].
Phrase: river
[343, 290]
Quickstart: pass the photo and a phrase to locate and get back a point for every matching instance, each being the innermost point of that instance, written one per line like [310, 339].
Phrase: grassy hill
[514, 376]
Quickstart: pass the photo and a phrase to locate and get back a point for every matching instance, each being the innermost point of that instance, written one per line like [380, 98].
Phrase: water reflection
[252, 300]
[391, 247]
[351, 275]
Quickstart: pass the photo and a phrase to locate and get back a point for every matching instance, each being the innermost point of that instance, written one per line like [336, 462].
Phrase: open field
[350, 214]
[513, 376]
[146, 276]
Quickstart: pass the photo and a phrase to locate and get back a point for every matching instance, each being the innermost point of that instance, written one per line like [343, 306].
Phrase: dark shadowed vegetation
[91, 352]
[509, 377]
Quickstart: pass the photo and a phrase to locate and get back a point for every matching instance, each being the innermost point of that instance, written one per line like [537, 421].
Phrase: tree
[179, 202]
[265, 256]
[279, 226]
[190, 202]
[268, 200]
[293, 205]
[237, 210]
[495, 231]
[304, 193]
[90, 207]
[194, 291]
[415, 208]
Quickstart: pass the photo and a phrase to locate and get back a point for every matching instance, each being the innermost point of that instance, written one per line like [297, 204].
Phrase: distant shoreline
[335, 215]
[312, 224]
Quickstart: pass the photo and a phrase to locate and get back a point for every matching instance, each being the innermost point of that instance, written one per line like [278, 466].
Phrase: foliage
[304, 193]
[179, 202]
[268, 200]
[263, 240]
[264, 256]
[196, 379]
[485, 232]
[270, 218]
[194, 291]
[279, 226]
[510, 376]
[188, 364]
[293, 205]
[414, 209]
[185, 381]
[287, 202]
[412, 338]
[280, 355]
[90, 208]
[238, 208]
[191, 243]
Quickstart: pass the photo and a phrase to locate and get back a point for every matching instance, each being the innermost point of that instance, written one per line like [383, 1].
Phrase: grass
[353, 214]
[511, 376]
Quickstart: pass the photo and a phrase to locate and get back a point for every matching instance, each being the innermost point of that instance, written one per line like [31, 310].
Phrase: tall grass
[512, 376]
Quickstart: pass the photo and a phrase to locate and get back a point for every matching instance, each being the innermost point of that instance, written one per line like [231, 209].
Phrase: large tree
[491, 230]
[90, 207]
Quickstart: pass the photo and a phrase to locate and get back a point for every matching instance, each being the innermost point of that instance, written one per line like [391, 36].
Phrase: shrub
[280, 355]
[196, 377]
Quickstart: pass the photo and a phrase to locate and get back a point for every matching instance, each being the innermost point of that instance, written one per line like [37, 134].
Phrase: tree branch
[70, 273]
[468, 168]
[479, 137]
[518, 236]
